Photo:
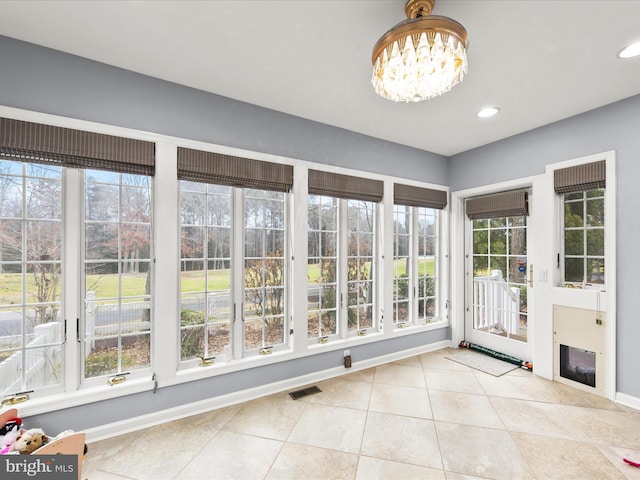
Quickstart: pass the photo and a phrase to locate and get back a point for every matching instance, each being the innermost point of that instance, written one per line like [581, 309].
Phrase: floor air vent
[304, 392]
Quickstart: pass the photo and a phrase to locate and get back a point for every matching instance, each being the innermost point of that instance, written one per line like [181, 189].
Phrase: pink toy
[9, 439]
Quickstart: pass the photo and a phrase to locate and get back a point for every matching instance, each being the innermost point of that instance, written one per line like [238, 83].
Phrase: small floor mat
[482, 362]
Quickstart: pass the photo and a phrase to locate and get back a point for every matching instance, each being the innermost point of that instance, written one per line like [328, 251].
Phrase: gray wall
[44, 80]
[613, 127]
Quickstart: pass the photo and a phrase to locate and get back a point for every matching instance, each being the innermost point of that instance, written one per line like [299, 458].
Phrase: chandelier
[421, 57]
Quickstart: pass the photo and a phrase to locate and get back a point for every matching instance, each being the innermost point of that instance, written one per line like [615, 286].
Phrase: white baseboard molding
[628, 400]
[163, 416]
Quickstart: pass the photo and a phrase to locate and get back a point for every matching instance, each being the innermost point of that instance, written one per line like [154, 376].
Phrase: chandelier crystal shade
[421, 57]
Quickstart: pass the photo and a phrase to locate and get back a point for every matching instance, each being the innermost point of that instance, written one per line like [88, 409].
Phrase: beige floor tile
[482, 452]
[409, 362]
[567, 395]
[453, 381]
[552, 431]
[335, 428]
[400, 375]
[556, 458]
[91, 474]
[517, 386]
[377, 469]
[401, 439]
[212, 420]
[365, 375]
[270, 417]
[614, 428]
[399, 400]
[616, 456]
[297, 462]
[102, 453]
[461, 476]
[464, 408]
[232, 455]
[141, 465]
[537, 418]
[342, 393]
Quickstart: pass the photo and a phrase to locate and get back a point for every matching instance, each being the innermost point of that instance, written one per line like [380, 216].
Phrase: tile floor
[425, 417]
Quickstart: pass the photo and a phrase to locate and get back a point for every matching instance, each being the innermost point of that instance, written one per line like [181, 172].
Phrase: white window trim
[165, 369]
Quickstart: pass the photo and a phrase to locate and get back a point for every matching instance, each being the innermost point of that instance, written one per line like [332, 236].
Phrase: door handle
[531, 275]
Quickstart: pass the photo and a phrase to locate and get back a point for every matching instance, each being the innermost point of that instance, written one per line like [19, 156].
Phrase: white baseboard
[156, 418]
[628, 400]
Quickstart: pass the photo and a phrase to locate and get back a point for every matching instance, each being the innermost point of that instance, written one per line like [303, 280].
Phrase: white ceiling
[539, 61]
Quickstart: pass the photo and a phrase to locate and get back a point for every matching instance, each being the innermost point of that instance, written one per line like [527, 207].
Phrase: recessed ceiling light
[629, 51]
[488, 112]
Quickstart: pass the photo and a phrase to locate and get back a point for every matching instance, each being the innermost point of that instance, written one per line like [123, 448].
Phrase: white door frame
[459, 265]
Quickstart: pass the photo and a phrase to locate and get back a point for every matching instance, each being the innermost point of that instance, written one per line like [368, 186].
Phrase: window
[205, 270]
[336, 273]
[427, 269]
[415, 265]
[341, 255]
[31, 316]
[582, 189]
[45, 173]
[415, 254]
[77, 261]
[234, 262]
[584, 261]
[361, 227]
[117, 273]
[265, 270]
[322, 261]
[402, 268]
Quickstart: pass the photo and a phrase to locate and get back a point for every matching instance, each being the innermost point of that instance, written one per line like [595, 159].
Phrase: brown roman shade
[504, 204]
[345, 186]
[209, 167]
[588, 176]
[66, 147]
[418, 196]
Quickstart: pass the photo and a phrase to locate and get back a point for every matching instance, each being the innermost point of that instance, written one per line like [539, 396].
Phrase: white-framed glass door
[499, 291]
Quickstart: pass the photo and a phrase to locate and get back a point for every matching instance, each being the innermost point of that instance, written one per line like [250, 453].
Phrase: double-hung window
[233, 264]
[582, 188]
[415, 254]
[54, 183]
[342, 257]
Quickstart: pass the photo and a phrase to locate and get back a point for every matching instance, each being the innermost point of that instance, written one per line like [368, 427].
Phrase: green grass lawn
[106, 286]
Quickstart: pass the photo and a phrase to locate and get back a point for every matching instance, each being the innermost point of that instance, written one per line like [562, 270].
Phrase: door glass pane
[499, 291]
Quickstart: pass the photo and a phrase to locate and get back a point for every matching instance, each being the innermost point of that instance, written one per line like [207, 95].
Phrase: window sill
[411, 329]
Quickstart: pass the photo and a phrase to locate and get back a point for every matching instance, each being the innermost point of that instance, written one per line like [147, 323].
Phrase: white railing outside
[496, 306]
[41, 356]
[39, 360]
